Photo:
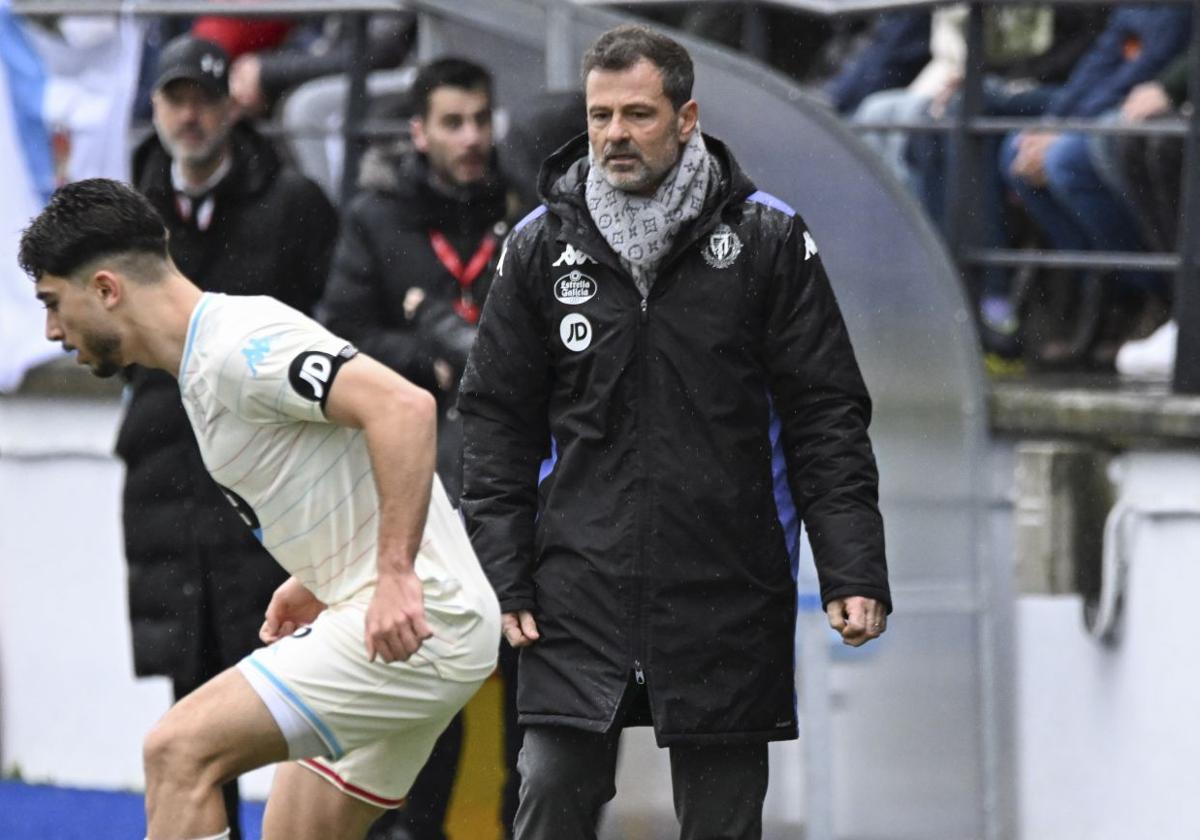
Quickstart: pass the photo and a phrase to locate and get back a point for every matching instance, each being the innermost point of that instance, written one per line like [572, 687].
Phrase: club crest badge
[723, 247]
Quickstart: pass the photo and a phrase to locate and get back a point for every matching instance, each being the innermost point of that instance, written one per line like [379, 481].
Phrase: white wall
[1109, 736]
[71, 711]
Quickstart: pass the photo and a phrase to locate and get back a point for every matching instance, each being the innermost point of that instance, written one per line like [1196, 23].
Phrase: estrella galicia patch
[311, 372]
[575, 288]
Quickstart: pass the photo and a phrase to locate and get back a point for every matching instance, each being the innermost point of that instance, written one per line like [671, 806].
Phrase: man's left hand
[396, 624]
[858, 619]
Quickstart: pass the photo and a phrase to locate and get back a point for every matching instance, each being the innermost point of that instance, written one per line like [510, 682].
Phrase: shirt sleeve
[279, 370]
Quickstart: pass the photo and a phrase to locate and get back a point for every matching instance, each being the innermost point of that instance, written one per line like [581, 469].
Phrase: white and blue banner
[66, 95]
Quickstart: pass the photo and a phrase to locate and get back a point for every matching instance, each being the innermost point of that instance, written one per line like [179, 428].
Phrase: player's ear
[107, 287]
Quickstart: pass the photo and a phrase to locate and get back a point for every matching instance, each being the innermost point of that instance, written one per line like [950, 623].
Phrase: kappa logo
[723, 247]
[256, 351]
[571, 257]
[575, 332]
[574, 288]
[810, 246]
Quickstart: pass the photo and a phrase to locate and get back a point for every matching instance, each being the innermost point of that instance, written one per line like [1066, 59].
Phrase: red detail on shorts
[349, 788]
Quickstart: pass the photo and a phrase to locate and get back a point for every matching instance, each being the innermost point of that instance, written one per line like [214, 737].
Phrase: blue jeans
[933, 158]
[1076, 210]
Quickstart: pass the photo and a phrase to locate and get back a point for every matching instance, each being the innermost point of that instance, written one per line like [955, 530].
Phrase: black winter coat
[627, 491]
[385, 252]
[197, 576]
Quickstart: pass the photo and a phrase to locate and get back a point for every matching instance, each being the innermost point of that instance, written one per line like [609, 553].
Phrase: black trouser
[1153, 167]
[567, 775]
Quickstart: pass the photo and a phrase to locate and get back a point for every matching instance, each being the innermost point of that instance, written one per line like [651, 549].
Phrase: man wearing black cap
[239, 222]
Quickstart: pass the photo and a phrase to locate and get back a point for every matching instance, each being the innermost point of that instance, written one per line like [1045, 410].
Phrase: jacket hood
[255, 164]
[564, 175]
[402, 172]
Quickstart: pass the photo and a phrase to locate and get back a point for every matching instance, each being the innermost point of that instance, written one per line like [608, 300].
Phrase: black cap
[188, 57]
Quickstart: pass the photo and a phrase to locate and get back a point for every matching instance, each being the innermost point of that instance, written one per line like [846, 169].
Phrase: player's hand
[292, 606]
[396, 624]
[858, 619]
[519, 628]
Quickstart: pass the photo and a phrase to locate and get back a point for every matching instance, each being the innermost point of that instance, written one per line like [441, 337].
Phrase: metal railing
[970, 125]
[965, 130]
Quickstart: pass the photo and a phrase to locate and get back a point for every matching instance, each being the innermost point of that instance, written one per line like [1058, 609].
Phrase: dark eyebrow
[45, 296]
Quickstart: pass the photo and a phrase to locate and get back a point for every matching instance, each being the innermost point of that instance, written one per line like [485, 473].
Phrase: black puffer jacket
[659, 536]
[385, 253]
[271, 233]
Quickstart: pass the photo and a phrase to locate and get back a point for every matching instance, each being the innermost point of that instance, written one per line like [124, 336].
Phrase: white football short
[368, 727]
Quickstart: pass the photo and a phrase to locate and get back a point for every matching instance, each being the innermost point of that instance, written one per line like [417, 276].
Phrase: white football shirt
[254, 377]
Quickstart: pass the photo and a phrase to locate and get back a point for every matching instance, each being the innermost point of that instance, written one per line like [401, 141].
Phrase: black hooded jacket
[385, 253]
[198, 580]
[634, 469]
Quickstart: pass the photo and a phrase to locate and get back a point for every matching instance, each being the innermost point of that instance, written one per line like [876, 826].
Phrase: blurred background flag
[66, 95]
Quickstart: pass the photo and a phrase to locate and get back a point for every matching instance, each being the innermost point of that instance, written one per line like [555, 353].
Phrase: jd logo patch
[310, 373]
[575, 332]
[723, 247]
[574, 288]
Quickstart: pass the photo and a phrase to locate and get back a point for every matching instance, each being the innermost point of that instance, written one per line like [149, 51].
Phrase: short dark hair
[624, 46]
[447, 72]
[87, 220]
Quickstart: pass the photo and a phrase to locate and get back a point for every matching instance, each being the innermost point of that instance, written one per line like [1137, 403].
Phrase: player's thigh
[302, 805]
[222, 727]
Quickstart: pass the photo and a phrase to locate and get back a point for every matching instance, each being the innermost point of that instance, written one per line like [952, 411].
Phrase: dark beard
[105, 349]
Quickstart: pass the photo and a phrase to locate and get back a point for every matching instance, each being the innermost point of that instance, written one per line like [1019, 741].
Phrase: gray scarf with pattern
[640, 229]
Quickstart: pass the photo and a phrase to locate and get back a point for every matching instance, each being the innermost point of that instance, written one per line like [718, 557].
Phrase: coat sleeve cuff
[517, 603]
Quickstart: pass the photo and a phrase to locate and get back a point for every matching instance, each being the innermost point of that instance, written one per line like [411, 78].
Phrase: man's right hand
[292, 606]
[519, 628]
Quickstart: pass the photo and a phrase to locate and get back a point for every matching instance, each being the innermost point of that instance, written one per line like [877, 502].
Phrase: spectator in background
[258, 79]
[240, 222]
[1030, 52]
[896, 49]
[1025, 45]
[943, 72]
[409, 275]
[1151, 173]
[1058, 176]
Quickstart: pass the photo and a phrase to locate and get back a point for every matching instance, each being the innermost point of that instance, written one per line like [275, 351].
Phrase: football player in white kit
[387, 625]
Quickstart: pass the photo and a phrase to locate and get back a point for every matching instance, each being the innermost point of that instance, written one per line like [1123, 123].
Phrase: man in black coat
[410, 273]
[662, 387]
[239, 222]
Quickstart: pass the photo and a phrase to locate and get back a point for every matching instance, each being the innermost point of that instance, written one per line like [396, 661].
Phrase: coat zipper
[638, 672]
